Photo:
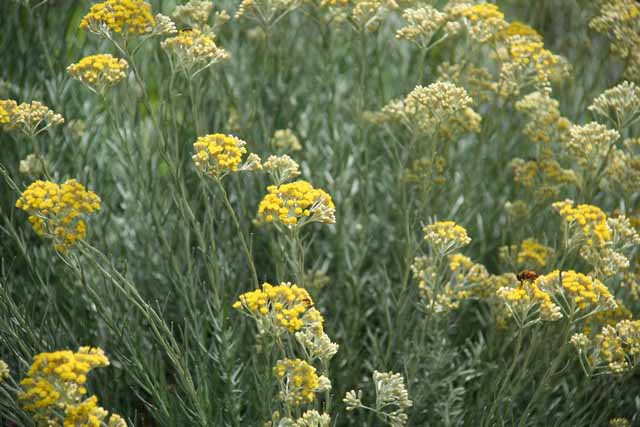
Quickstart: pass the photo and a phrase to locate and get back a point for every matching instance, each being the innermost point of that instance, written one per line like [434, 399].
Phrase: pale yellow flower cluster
[194, 50]
[392, 399]
[441, 108]
[620, 21]
[444, 237]
[31, 118]
[422, 23]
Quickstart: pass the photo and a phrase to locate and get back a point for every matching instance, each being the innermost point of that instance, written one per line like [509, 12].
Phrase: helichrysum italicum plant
[477, 115]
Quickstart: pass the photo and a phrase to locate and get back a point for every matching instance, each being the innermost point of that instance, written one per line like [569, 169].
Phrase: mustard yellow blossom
[582, 293]
[299, 381]
[534, 254]
[296, 204]
[55, 385]
[218, 154]
[57, 379]
[6, 108]
[517, 28]
[119, 16]
[483, 20]
[281, 308]
[195, 50]
[99, 71]
[590, 221]
[528, 303]
[55, 211]
[85, 414]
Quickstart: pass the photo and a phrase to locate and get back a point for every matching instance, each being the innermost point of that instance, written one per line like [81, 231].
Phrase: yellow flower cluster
[619, 346]
[299, 380]
[544, 123]
[590, 144]
[285, 139]
[280, 308]
[517, 28]
[195, 48]
[55, 210]
[99, 71]
[533, 253]
[620, 21]
[56, 381]
[281, 168]
[218, 154]
[523, 301]
[590, 220]
[528, 56]
[129, 16]
[422, 23]
[579, 290]
[29, 117]
[619, 422]
[296, 204]
[446, 236]
[544, 176]
[6, 108]
[441, 107]
[620, 104]
[483, 20]
[4, 371]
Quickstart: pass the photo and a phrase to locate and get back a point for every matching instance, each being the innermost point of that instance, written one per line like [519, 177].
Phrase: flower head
[278, 309]
[119, 16]
[217, 155]
[589, 221]
[296, 204]
[99, 71]
[195, 50]
[55, 211]
[446, 236]
[4, 371]
[55, 384]
[441, 107]
[31, 118]
[299, 381]
[281, 168]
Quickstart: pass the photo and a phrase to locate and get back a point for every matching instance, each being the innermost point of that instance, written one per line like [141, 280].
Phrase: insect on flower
[525, 275]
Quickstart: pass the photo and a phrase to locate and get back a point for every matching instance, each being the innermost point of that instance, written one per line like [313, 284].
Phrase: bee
[525, 275]
[307, 302]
